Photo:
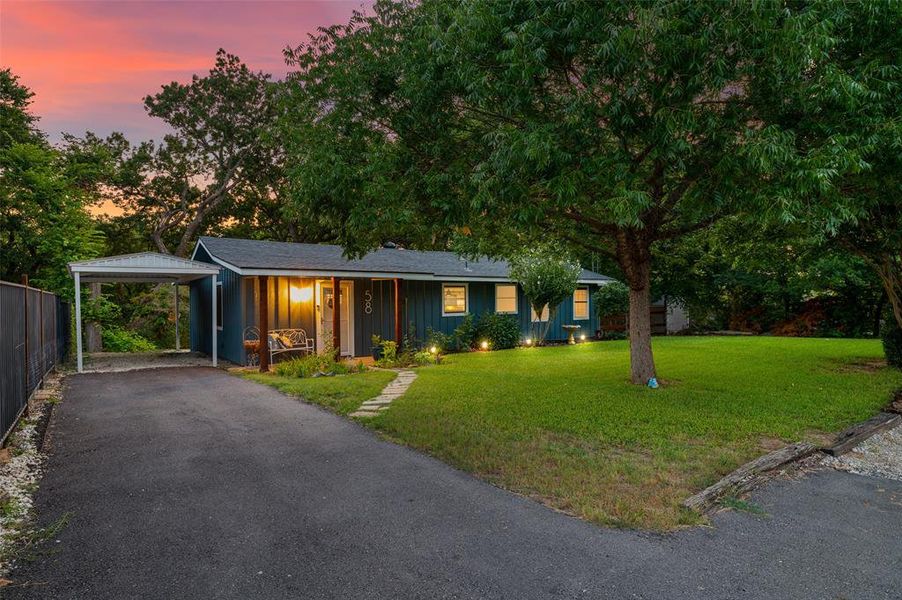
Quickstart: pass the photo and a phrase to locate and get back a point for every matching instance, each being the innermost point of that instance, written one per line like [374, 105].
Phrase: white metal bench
[280, 341]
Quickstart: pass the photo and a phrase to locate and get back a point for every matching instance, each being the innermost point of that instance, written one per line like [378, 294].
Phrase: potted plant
[377, 349]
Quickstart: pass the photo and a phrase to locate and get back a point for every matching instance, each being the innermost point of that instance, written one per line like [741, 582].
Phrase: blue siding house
[391, 292]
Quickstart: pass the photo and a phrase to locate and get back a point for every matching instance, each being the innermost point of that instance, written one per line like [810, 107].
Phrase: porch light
[300, 294]
[484, 345]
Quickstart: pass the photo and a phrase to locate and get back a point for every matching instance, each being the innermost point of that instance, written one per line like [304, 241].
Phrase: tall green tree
[846, 119]
[44, 193]
[217, 164]
[609, 127]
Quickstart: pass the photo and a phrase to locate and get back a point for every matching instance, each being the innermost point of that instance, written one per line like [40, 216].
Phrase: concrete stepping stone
[395, 389]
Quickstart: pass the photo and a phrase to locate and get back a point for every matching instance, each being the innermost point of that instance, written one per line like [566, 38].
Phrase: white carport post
[178, 342]
[213, 322]
[78, 319]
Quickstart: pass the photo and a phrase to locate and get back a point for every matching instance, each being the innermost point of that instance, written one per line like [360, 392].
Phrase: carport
[144, 267]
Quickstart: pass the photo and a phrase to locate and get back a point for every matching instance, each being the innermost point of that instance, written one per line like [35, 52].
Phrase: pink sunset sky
[90, 63]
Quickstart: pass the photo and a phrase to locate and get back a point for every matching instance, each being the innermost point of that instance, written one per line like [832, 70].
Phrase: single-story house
[391, 292]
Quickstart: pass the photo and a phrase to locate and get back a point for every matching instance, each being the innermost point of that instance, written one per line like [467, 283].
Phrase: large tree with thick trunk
[608, 127]
[219, 165]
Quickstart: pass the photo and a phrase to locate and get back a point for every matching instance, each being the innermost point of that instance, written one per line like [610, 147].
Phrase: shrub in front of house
[500, 330]
[392, 358]
[423, 358]
[464, 337]
[313, 364]
[440, 340]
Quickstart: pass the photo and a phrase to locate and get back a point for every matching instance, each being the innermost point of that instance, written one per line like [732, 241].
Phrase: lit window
[454, 299]
[506, 298]
[544, 317]
[580, 304]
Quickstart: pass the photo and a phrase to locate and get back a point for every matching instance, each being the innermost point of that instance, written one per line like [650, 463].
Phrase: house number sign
[368, 302]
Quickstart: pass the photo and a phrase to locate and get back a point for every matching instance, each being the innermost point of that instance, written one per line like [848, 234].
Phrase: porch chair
[280, 341]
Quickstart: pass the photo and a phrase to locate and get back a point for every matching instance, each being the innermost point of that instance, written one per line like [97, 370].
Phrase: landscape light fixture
[484, 345]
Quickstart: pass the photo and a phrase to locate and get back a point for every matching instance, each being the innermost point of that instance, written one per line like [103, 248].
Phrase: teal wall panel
[229, 339]
[373, 310]
[423, 310]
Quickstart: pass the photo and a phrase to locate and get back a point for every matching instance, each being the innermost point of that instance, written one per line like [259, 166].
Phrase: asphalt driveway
[191, 483]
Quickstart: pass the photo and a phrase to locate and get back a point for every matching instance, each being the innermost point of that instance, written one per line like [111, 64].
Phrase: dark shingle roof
[257, 254]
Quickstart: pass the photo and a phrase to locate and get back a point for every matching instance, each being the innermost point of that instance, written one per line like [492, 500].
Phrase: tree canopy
[846, 119]
[43, 197]
[608, 127]
[219, 165]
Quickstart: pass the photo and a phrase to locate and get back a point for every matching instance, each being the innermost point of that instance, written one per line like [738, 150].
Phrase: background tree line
[740, 158]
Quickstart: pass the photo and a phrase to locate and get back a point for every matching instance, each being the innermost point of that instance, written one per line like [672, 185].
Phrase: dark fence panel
[34, 337]
[33, 355]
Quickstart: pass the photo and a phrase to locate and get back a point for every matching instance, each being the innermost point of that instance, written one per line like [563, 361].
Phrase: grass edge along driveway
[340, 393]
[564, 426]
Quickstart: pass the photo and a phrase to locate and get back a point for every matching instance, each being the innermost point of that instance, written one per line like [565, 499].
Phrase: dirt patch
[819, 438]
[771, 444]
[864, 365]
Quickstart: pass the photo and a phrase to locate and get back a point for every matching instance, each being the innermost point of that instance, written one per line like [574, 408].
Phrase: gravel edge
[21, 473]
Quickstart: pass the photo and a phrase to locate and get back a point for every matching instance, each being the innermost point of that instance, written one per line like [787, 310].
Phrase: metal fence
[35, 330]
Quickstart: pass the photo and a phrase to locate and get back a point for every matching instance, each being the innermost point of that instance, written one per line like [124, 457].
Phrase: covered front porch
[311, 314]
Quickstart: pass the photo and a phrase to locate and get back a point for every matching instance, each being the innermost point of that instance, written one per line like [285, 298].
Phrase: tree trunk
[635, 259]
[642, 362]
[878, 313]
[889, 272]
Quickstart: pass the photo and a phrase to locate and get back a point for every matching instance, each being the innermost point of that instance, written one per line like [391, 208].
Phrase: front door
[326, 312]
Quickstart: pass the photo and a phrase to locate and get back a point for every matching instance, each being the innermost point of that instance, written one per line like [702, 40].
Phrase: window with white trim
[543, 318]
[580, 304]
[454, 299]
[219, 305]
[506, 298]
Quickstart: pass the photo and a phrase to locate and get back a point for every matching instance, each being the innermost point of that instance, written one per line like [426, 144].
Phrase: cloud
[91, 63]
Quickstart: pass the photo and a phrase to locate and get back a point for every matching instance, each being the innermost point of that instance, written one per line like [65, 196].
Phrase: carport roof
[141, 267]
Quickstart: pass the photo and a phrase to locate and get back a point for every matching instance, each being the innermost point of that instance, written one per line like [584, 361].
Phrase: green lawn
[341, 393]
[564, 426]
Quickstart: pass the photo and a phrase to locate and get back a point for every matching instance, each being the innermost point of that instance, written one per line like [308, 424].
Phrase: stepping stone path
[393, 390]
